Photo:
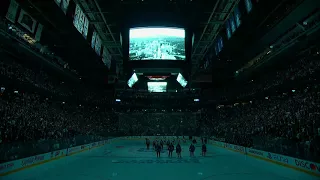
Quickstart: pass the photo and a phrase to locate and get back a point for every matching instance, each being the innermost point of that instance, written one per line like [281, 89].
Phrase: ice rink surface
[130, 160]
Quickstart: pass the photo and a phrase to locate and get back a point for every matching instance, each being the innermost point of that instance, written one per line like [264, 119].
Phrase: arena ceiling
[204, 17]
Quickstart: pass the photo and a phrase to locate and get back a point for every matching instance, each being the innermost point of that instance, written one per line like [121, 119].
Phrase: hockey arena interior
[160, 89]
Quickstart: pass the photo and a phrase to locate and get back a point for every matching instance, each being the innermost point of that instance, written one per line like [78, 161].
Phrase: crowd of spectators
[12, 69]
[27, 117]
[158, 123]
[15, 71]
[305, 67]
[286, 122]
[22, 37]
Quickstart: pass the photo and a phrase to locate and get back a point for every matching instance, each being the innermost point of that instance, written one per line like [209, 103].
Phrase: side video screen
[157, 44]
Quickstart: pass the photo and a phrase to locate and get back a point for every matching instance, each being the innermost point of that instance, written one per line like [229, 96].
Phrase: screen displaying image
[132, 80]
[181, 80]
[157, 44]
[157, 86]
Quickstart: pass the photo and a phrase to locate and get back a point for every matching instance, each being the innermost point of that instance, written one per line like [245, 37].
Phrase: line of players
[158, 147]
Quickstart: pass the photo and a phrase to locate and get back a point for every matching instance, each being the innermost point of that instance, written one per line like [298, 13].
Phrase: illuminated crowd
[27, 119]
[152, 123]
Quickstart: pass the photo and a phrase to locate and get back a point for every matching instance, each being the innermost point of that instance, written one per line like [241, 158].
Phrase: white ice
[107, 163]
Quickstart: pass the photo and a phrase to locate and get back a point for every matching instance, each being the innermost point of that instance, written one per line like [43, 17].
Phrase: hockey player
[154, 144]
[178, 150]
[168, 143]
[147, 143]
[204, 149]
[161, 144]
[192, 148]
[170, 149]
[158, 150]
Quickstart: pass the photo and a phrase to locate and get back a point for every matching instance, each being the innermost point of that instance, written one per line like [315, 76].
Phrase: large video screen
[157, 44]
[157, 86]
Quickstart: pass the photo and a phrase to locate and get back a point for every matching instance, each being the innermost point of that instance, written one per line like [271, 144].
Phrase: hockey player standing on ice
[170, 149]
[161, 144]
[147, 143]
[204, 149]
[192, 148]
[154, 144]
[158, 149]
[178, 150]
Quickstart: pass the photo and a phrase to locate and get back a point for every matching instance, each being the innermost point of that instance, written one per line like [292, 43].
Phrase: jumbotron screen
[157, 86]
[157, 44]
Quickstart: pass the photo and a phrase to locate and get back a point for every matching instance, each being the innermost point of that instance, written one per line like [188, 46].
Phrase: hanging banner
[81, 22]
[12, 11]
[76, 17]
[93, 40]
[85, 27]
[64, 5]
[217, 48]
[39, 32]
[106, 57]
[58, 2]
[232, 24]
[228, 29]
[221, 43]
[98, 45]
[120, 39]
[248, 4]
[237, 16]
[27, 21]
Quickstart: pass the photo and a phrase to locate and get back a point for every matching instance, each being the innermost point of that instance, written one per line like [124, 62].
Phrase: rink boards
[20, 164]
[311, 168]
